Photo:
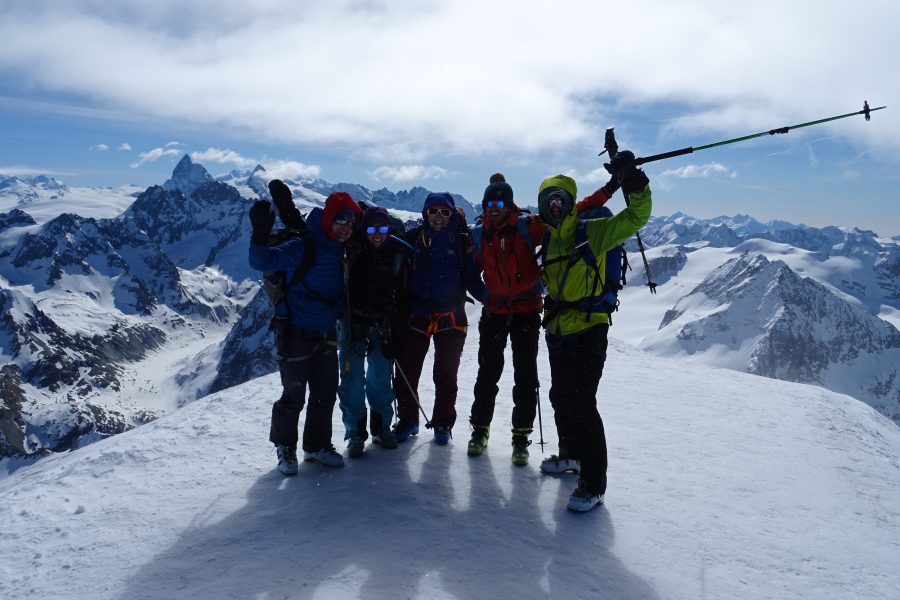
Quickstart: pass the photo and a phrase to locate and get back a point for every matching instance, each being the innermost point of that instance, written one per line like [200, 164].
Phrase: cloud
[24, 171]
[221, 156]
[694, 171]
[281, 169]
[124, 146]
[171, 144]
[406, 173]
[152, 155]
[100, 148]
[701, 61]
[276, 169]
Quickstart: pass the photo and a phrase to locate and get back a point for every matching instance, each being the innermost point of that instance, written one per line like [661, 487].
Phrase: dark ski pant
[412, 348]
[523, 331]
[306, 358]
[576, 366]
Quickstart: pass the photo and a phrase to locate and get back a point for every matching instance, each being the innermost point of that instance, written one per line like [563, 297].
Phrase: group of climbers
[363, 301]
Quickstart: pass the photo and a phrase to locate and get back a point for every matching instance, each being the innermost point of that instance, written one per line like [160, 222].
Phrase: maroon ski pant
[412, 347]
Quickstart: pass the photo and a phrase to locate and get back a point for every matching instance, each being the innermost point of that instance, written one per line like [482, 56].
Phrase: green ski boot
[480, 435]
[520, 443]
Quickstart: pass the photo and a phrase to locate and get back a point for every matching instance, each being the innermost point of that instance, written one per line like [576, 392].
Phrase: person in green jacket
[576, 329]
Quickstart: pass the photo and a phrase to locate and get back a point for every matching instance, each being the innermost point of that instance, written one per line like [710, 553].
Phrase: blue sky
[442, 94]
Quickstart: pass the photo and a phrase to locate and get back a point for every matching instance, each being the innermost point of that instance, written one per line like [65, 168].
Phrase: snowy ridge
[722, 485]
[758, 316]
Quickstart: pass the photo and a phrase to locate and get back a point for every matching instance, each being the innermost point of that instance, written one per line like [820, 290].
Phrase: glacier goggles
[382, 229]
[345, 217]
[557, 200]
[444, 212]
[497, 203]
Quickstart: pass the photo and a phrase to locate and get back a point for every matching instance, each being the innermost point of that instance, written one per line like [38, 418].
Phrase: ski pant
[576, 366]
[307, 358]
[365, 373]
[412, 347]
[523, 331]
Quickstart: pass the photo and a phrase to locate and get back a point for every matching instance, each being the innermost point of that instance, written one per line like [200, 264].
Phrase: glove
[261, 220]
[611, 186]
[624, 170]
[284, 202]
[362, 204]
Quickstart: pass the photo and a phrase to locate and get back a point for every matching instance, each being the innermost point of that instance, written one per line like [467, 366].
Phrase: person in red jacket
[505, 248]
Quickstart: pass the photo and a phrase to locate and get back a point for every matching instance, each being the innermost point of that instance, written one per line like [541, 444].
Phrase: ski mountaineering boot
[554, 465]
[480, 435]
[583, 499]
[385, 439]
[403, 429]
[326, 456]
[287, 460]
[442, 435]
[355, 447]
[520, 443]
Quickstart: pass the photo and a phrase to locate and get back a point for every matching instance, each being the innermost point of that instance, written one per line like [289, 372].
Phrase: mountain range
[118, 306]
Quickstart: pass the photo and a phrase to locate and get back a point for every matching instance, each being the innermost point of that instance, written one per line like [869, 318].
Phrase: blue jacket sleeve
[283, 257]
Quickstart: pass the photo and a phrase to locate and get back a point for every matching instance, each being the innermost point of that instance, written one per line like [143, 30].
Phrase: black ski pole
[415, 394]
[866, 111]
[537, 392]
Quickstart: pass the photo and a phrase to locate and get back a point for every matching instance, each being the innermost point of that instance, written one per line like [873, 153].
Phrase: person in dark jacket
[440, 270]
[365, 332]
[505, 248]
[305, 324]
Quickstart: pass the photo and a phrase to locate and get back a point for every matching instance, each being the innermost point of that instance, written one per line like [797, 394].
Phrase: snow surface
[722, 485]
[93, 202]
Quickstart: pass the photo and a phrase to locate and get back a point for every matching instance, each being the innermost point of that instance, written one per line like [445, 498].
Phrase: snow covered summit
[722, 485]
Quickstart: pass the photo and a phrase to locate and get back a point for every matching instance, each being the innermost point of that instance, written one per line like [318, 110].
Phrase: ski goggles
[497, 203]
[444, 212]
[382, 229]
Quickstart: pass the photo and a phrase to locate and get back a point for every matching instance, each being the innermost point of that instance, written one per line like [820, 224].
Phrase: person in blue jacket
[305, 324]
[440, 271]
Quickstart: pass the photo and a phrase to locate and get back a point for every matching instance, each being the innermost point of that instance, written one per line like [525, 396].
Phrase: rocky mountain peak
[187, 177]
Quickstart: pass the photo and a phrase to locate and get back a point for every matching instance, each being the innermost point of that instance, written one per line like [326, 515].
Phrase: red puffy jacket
[511, 273]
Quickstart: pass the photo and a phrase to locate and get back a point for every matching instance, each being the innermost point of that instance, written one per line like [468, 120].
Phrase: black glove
[261, 219]
[362, 204]
[611, 186]
[625, 171]
[284, 202]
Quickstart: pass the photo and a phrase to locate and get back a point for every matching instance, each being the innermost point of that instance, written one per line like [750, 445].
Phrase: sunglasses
[497, 203]
[444, 212]
[556, 201]
[383, 229]
[345, 221]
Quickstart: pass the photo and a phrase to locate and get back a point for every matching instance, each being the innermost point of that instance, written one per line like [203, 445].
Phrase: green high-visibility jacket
[603, 234]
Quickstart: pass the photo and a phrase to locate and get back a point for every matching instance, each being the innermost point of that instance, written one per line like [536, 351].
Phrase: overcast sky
[444, 93]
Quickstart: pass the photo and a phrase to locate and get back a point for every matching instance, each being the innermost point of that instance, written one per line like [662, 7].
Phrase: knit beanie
[498, 189]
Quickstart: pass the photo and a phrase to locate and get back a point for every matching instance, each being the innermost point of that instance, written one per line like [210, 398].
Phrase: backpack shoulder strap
[522, 227]
[306, 263]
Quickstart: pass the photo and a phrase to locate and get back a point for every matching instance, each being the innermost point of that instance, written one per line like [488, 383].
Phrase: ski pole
[537, 392]
[612, 147]
[866, 111]
[415, 394]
